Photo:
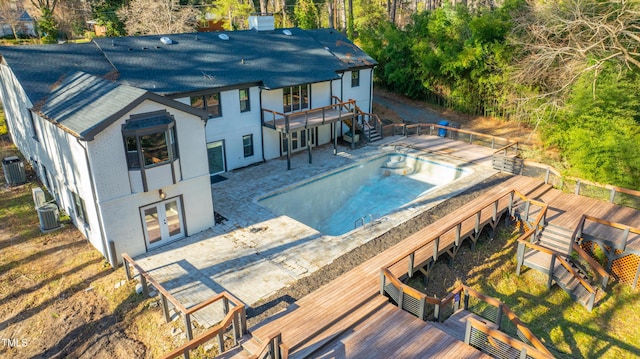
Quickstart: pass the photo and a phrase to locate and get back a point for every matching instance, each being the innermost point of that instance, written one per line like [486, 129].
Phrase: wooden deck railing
[273, 348]
[498, 344]
[233, 321]
[271, 117]
[495, 312]
[234, 309]
[456, 229]
[614, 194]
[626, 230]
[471, 137]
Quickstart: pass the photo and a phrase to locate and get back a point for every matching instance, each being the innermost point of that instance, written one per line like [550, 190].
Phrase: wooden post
[520, 257]
[467, 333]
[466, 300]
[225, 305]
[308, 144]
[635, 281]
[458, 231]
[220, 342]
[436, 312]
[410, 269]
[499, 316]
[165, 308]
[612, 196]
[553, 265]
[127, 270]
[187, 323]
[625, 237]
[143, 282]
[546, 176]
[577, 190]
[421, 309]
[289, 142]
[335, 138]
[527, 205]
[436, 244]
[382, 280]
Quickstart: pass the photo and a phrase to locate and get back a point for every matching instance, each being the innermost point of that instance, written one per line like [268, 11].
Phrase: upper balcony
[290, 122]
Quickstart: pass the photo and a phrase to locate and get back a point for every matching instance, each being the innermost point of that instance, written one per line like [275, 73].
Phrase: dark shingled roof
[347, 52]
[40, 67]
[193, 62]
[84, 105]
[83, 102]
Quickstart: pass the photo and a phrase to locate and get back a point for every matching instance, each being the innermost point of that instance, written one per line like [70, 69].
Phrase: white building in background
[126, 133]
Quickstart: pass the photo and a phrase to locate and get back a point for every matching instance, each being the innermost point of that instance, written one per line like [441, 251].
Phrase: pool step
[397, 165]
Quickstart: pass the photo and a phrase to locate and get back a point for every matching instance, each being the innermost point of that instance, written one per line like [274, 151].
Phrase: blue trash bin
[442, 132]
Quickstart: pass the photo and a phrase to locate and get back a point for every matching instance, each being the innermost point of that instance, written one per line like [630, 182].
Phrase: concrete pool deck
[254, 252]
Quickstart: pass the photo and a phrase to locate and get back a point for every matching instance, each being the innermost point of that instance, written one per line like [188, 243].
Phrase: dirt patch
[394, 108]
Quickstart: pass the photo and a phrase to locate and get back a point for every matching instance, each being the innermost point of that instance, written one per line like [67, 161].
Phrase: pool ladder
[363, 220]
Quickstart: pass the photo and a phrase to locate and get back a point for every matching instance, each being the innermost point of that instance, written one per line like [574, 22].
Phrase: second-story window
[355, 78]
[210, 103]
[295, 98]
[245, 105]
[150, 141]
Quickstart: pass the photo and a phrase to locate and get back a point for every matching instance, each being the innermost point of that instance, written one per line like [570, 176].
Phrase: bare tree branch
[560, 40]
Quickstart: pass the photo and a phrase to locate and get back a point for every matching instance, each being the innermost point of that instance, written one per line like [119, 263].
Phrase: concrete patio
[255, 252]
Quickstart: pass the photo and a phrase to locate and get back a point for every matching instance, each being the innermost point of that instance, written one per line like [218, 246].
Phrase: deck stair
[371, 133]
[550, 250]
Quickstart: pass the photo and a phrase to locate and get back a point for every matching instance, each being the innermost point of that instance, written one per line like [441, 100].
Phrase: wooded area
[569, 68]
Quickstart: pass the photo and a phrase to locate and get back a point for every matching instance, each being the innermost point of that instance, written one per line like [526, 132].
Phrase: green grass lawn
[566, 328]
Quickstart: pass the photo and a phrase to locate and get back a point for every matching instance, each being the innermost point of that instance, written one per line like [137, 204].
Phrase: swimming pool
[335, 203]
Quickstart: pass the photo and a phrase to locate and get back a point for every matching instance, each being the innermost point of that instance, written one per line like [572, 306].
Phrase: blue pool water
[332, 203]
[378, 196]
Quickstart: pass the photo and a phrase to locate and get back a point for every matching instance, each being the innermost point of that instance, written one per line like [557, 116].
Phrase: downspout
[371, 91]
[112, 257]
[262, 125]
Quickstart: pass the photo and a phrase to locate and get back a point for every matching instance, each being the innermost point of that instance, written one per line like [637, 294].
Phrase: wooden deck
[348, 318]
[310, 119]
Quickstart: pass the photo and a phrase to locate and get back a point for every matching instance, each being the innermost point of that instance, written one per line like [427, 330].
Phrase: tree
[235, 11]
[146, 17]
[104, 13]
[307, 14]
[562, 40]
[47, 26]
[10, 11]
[598, 130]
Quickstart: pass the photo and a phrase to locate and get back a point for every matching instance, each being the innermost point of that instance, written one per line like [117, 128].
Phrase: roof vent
[165, 40]
[287, 32]
[224, 37]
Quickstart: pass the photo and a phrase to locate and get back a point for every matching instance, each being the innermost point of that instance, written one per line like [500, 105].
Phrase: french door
[162, 222]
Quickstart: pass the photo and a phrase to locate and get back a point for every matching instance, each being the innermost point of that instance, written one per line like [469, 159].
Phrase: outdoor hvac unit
[13, 171]
[49, 216]
[38, 197]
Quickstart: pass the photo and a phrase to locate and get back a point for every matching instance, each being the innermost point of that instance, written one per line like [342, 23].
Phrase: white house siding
[124, 223]
[120, 204]
[360, 93]
[233, 125]
[16, 105]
